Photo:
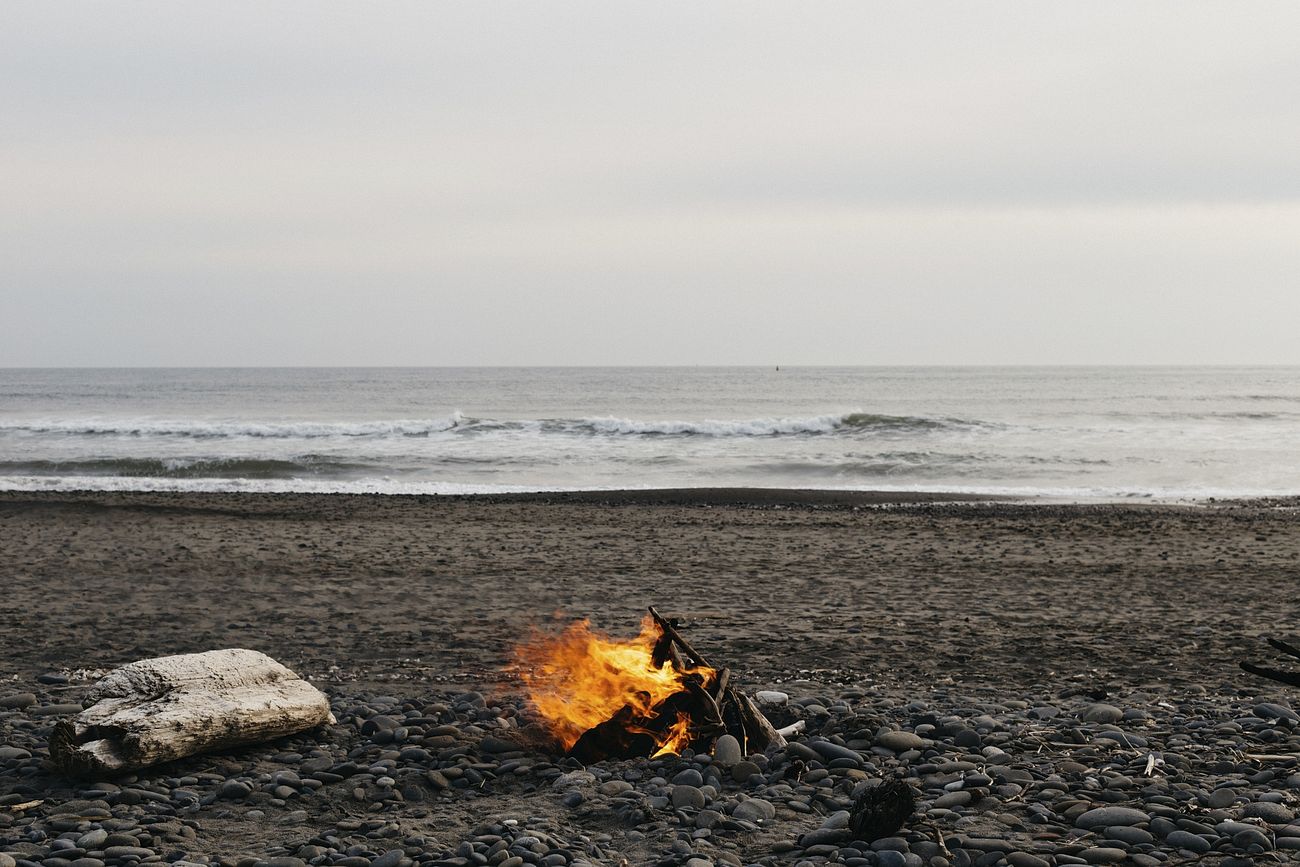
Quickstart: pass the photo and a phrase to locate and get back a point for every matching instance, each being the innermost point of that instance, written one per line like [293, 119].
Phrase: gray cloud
[677, 183]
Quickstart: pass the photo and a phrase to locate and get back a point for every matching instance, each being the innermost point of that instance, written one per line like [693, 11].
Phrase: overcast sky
[662, 183]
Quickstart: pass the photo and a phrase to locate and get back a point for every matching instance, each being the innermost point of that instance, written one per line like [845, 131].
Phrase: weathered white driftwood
[157, 710]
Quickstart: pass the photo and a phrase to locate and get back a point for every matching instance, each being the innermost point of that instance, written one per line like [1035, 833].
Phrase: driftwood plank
[158, 710]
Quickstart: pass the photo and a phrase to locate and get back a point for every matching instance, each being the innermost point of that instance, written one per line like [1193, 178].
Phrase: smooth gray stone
[687, 796]
[1025, 859]
[18, 700]
[614, 787]
[1244, 839]
[1102, 817]
[1103, 855]
[92, 839]
[1128, 834]
[1274, 814]
[824, 836]
[1181, 839]
[900, 742]
[755, 810]
[726, 751]
[1102, 713]
[1271, 711]
[1221, 798]
[828, 751]
[743, 770]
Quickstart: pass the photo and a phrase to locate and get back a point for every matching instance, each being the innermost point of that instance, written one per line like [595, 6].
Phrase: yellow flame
[676, 739]
[580, 678]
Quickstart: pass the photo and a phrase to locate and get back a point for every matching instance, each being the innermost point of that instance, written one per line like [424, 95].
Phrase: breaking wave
[458, 423]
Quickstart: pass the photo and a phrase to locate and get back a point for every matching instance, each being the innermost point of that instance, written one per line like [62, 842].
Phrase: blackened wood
[881, 811]
[669, 629]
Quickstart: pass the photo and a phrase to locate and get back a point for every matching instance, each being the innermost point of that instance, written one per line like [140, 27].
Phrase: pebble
[18, 700]
[1181, 839]
[900, 742]
[1104, 816]
[234, 790]
[1270, 711]
[391, 858]
[6, 860]
[1102, 713]
[1025, 859]
[755, 810]
[772, 698]
[742, 771]
[687, 796]
[726, 751]
[1275, 814]
[1103, 855]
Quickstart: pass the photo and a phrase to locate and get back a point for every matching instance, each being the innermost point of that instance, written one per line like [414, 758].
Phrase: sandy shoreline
[950, 606]
[370, 583]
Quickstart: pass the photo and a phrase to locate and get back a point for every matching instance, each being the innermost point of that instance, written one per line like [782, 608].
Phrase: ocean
[1104, 433]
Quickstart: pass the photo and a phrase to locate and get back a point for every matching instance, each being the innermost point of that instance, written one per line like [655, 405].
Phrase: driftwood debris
[157, 710]
[1291, 678]
[713, 705]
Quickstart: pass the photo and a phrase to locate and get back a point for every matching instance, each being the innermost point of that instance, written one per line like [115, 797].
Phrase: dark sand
[973, 611]
[826, 587]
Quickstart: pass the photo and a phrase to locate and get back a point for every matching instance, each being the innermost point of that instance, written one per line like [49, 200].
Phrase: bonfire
[606, 698]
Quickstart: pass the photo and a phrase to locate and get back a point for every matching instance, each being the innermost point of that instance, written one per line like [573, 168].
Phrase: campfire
[652, 695]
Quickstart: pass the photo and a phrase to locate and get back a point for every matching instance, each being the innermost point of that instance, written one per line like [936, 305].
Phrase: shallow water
[1072, 432]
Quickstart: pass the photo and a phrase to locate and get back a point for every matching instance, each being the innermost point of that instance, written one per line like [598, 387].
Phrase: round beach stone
[1103, 855]
[18, 700]
[391, 858]
[615, 787]
[1271, 711]
[1103, 816]
[900, 742]
[1102, 713]
[6, 860]
[755, 810]
[743, 770]
[7, 753]
[1181, 839]
[92, 839]
[1221, 798]
[1025, 859]
[234, 790]
[1274, 814]
[688, 777]
[726, 751]
[772, 698]
[687, 796]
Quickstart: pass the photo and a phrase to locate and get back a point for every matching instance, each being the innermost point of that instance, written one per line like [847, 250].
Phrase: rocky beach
[1058, 684]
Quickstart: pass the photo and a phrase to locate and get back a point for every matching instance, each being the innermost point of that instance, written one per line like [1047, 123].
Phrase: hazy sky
[660, 183]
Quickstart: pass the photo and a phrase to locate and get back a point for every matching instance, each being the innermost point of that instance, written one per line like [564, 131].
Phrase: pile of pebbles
[1053, 779]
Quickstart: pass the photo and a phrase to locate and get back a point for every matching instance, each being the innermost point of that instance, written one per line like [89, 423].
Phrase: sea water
[1095, 433]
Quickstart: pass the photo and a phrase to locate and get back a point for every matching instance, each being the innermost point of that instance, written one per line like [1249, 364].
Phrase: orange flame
[580, 678]
[676, 739]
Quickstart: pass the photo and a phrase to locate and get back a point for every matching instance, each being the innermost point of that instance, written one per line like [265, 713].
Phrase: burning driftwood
[157, 710]
[648, 696]
[1291, 678]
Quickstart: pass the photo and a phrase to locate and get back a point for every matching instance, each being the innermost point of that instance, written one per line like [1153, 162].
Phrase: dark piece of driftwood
[739, 714]
[881, 811]
[157, 710]
[1290, 678]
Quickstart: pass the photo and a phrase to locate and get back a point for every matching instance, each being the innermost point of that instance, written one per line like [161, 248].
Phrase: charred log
[1290, 678]
[881, 811]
